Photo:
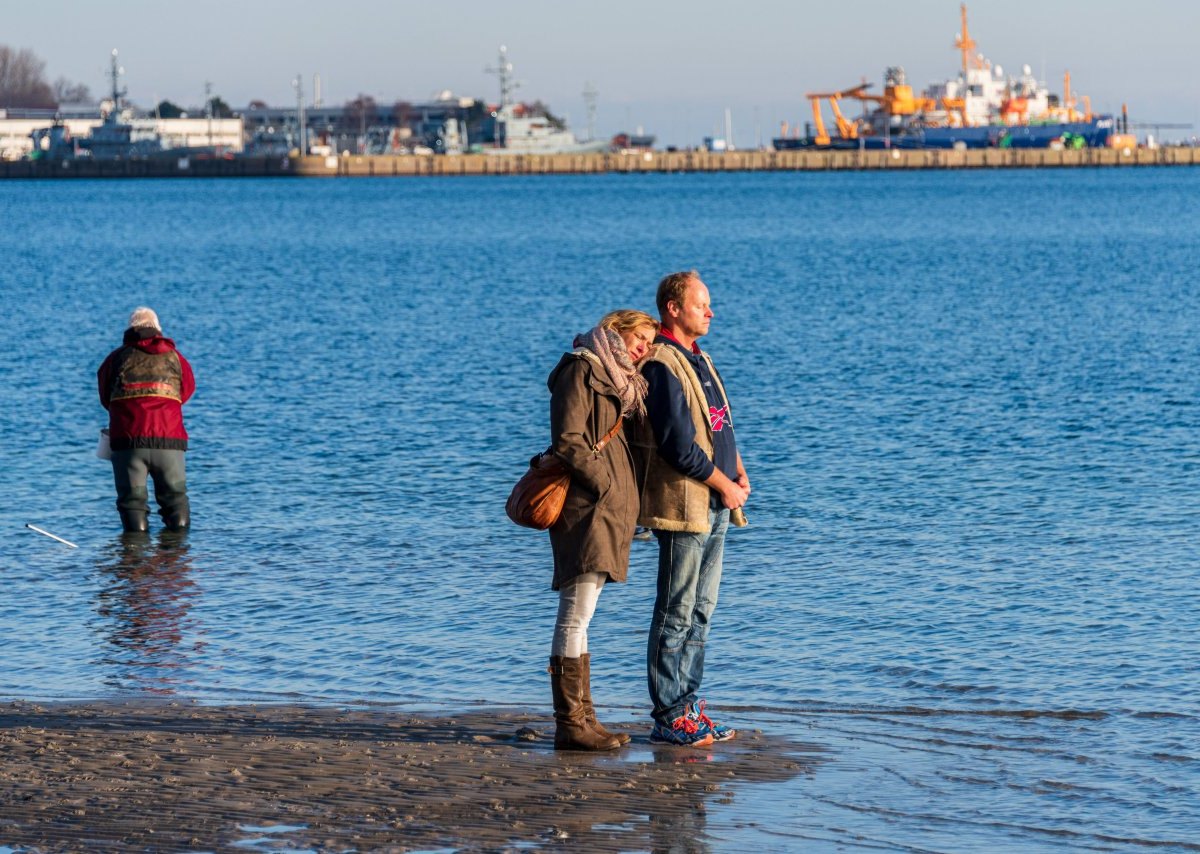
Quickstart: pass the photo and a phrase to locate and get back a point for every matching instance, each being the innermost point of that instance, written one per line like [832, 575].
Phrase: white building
[223, 134]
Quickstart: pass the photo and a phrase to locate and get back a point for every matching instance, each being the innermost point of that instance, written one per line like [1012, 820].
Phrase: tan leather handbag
[537, 499]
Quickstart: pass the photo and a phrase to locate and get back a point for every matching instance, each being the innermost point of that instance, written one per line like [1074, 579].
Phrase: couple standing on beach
[674, 469]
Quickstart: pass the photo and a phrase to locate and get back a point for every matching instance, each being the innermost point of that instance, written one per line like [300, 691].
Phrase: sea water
[967, 402]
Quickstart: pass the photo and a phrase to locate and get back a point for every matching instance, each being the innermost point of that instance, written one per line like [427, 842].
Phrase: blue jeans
[689, 575]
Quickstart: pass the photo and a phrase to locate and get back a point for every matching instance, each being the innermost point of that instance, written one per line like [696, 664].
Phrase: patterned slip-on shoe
[683, 732]
[720, 732]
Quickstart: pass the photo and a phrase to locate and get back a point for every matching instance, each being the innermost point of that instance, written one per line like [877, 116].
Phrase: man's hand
[733, 495]
[742, 480]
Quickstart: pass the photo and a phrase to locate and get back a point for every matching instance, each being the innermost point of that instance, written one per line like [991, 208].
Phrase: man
[694, 481]
[143, 385]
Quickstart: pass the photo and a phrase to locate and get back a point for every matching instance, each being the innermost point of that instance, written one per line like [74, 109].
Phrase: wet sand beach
[167, 775]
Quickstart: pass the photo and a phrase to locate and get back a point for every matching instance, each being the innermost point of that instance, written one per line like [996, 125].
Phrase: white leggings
[576, 604]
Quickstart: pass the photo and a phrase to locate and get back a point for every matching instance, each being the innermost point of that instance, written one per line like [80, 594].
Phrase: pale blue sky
[672, 67]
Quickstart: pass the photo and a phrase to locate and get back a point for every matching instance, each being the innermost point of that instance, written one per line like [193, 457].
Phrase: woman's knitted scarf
[610, 350]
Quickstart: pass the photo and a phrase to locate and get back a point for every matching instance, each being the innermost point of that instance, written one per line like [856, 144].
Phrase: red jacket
[143, 385]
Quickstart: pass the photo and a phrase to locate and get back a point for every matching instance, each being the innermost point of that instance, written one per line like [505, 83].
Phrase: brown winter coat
[598, 519]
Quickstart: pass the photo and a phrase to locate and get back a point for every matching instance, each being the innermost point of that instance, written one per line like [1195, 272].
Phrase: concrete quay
[737, 161]
[158, 167]
[354, 166]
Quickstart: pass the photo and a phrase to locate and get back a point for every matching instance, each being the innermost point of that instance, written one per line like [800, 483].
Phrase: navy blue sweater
[672, 422]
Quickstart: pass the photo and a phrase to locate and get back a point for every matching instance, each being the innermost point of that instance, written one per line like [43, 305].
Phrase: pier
[740, 161]
[356, 166]
[157, 167]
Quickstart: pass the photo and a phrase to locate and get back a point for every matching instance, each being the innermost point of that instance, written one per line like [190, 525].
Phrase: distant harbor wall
[576, 164]
[159, 167]
[739, 161]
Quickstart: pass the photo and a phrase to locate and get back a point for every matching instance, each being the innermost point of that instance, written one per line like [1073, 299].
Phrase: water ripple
[970, 419]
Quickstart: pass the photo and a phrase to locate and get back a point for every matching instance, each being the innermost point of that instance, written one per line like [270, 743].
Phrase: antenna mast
[503, 70]
[301, 121]
[964, 42]
[208, 109]
[117, 92]
[590, 94]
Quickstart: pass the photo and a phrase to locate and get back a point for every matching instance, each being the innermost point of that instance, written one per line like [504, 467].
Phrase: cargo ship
[979, 108]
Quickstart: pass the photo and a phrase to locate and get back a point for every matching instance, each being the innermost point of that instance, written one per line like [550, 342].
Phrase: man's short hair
[673, 287]
[142, 316]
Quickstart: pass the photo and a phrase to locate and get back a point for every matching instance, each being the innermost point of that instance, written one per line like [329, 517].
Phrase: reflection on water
[669, 800]
[682, 830]
[146, 592]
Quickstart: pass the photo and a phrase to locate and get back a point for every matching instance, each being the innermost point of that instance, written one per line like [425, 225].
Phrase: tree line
[23, 85]
[23, 82]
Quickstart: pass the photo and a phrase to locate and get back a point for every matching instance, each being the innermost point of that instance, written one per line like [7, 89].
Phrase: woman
[591, 390]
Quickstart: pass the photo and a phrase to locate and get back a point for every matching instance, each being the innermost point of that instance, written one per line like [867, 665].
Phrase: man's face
[694, 316]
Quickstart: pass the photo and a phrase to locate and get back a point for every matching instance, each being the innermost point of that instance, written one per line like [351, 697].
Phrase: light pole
[590, 94]
[208, 109]
[298, 84]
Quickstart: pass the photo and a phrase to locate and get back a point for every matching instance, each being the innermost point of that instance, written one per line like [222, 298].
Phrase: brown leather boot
[571, 730]
[589, 711]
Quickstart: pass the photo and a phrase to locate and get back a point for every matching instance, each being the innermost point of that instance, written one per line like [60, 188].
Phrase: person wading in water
[143, 385]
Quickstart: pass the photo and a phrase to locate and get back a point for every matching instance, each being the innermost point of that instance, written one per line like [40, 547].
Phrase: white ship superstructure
[521, 134]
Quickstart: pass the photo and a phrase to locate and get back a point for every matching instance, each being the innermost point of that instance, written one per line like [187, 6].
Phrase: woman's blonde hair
[627, 320]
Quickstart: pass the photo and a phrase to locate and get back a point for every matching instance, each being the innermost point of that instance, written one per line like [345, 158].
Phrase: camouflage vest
[142, 374]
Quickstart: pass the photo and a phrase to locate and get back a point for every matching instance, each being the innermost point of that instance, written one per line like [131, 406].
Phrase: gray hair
[142, 316]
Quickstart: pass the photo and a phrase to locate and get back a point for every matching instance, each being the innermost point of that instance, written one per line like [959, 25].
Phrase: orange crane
[897, 100]
[1070, 104]
[846, 128]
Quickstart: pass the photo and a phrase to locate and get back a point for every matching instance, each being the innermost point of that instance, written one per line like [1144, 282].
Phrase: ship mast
[964, 42]
[503, 70]
[117, 92]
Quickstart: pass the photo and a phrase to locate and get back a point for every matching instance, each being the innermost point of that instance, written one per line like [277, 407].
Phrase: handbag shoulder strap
[609, 435]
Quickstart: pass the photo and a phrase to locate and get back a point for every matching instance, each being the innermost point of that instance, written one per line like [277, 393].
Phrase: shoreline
[632, 162]
[169, 774]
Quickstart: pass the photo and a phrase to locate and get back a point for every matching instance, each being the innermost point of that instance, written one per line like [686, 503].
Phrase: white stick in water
[51, 536]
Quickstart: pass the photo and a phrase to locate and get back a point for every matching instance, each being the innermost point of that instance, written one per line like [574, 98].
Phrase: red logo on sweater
[717, 418]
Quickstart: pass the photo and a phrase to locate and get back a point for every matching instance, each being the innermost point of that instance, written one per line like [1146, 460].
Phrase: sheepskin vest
[672, 501]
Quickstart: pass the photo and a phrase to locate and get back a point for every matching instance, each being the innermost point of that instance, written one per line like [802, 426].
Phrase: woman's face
[638, 341]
